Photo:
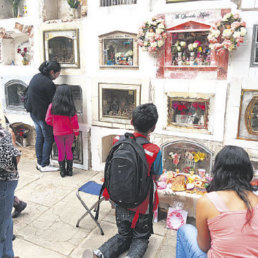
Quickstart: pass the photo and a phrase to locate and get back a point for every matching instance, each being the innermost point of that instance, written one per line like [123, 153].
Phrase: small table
[189, 200]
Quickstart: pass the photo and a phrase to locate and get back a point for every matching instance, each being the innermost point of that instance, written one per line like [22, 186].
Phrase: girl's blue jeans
[186, 243]
[6, 223]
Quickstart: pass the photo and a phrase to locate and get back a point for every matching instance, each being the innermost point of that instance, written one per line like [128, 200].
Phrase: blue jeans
[136, 239]
[6, 223]
[44, 141]
[186, 243]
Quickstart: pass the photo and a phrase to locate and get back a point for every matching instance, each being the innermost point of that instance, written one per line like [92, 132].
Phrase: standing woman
[226, 217]
[9, 158]
[61, 114]
[40, 95]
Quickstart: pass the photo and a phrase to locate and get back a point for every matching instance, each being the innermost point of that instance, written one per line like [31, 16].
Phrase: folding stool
[93, 188]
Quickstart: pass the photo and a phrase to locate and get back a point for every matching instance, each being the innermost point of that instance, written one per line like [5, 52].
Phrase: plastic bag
[176, 216]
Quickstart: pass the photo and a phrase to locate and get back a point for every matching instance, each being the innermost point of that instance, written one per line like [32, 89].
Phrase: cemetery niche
[62, 46]
[118, 50]
[248, 116]
[117, 102]
[188, 113]
[186, 156]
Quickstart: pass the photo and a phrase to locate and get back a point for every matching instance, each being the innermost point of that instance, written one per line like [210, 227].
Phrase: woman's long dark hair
[48, 66]
[233, 170]
[62, 103]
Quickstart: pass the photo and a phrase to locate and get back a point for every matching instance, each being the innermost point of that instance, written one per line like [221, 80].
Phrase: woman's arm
[203, 236]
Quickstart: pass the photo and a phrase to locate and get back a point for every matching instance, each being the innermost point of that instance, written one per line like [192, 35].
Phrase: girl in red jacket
[61, 114]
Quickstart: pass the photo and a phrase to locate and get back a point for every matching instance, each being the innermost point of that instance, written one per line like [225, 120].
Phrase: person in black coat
[40, 93]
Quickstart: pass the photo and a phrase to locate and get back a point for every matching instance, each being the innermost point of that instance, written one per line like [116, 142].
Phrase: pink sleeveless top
[228, 236]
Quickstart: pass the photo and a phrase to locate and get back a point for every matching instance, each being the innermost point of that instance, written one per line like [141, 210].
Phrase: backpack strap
[100, 194]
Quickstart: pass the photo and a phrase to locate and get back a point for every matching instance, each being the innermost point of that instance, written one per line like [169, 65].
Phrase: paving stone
[25, 249]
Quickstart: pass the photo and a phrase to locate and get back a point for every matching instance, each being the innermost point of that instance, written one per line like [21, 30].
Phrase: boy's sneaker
[48, 169]
[88, 253]
[38, 167]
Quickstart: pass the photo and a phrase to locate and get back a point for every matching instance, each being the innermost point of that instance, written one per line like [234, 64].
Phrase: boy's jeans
[135, 239]
[6, 223]
[44, 141]
[186, 243]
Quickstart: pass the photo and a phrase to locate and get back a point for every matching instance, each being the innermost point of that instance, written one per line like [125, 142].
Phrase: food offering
[172, 181]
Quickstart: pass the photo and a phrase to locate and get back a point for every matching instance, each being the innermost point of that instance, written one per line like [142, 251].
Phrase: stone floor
[47, 227]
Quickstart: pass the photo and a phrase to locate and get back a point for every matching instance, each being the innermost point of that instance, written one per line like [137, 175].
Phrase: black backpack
[26, 102]
[126, 172]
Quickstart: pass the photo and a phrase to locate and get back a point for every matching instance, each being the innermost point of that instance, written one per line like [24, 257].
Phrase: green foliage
[73, 3]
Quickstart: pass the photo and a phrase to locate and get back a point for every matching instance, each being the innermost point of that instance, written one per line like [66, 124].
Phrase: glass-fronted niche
[190, 49]
[77, 97]
[186, 156]
[77, 149]
[62, 46]
[14, 94]
[254, 54]
[118, 49]
[248, 116]
[189, 113]
[117, 101]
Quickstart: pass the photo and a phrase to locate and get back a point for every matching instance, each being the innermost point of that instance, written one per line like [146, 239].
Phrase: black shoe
[69, 170]
[62, 168]
[18, 208]
[14, 236]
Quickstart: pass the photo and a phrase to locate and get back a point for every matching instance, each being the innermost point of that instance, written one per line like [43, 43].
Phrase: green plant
[74, 3]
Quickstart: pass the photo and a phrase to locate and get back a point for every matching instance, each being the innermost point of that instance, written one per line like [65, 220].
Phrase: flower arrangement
[74, 3]
[198, 156]
[24, 53]
[175, 157]
[227, 34]
[151, 35]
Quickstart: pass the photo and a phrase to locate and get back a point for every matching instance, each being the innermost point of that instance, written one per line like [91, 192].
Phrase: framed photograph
[118, 50]
[117, 101]
[248, 116]
[63, 47]
[188, 112]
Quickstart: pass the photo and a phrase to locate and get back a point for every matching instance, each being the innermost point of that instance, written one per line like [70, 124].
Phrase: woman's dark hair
[48, 66]
[233, 170]
[144, 117]
[62, 103]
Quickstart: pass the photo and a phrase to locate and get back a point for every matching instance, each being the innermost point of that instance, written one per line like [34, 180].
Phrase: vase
[76, 13]
[25, 62]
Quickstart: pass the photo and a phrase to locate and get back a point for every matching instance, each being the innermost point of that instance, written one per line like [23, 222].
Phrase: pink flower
[140, 43]
[235, 25]
[243, 24]
[240, 40]
[227, 43]
[236, 16]
[218, 46]
[221, 52]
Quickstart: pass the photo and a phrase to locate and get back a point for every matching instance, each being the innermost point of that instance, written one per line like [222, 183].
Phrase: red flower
[22, 54]
[18, 50]
[183, 113]
[195, 105]
[202, 107]
[25, 49]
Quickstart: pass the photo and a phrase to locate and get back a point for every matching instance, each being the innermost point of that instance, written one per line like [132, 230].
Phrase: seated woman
[226, 217]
